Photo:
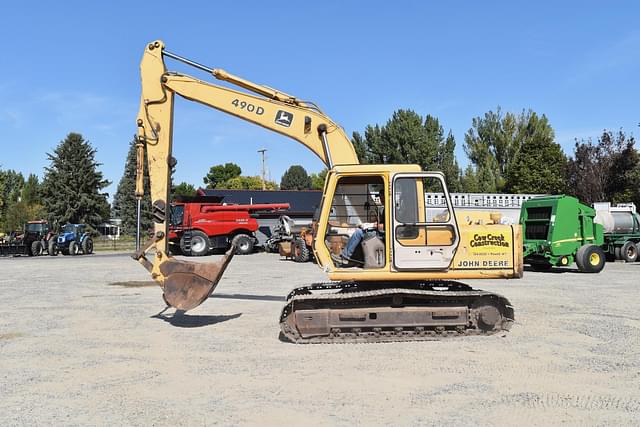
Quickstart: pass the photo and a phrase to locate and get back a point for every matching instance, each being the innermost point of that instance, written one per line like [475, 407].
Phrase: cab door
[425, 234]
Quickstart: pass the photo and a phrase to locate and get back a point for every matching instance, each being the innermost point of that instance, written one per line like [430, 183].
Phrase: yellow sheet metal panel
[485, 251]
[486, 247]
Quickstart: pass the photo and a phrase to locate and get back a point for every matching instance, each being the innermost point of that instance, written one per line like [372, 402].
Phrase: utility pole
[264, 169]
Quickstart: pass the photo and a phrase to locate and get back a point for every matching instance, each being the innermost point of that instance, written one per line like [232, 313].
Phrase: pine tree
[370, 148]
[125, 204]
[31, 190]
[469, 181]
[359, 144]
[488, 178]
[295, 178]
[447, 163]
[13, 183]
[72, 184]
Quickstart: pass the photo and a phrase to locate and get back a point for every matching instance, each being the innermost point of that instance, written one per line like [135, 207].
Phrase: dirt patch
[140, 284]
[10, 336]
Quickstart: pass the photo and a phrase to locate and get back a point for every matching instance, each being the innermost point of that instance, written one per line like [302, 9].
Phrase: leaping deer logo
[284, 118]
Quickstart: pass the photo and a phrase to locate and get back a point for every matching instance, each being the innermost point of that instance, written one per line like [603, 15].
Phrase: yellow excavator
[401, 284]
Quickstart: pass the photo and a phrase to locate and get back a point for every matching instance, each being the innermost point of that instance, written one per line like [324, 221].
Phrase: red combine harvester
[200, 224]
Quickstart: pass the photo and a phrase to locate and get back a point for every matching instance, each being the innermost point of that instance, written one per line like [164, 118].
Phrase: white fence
[507, 204]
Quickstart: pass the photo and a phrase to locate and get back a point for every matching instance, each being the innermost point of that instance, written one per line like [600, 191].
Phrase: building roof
[305, 201]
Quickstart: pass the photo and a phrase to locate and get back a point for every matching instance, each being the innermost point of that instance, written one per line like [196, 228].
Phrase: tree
[539, 165]
[22, 201]
[448, 164]
[359, 144]
[469, 181]
[295, 178]
[184, 189]
[28, 205]
[623, 184]
[491, 144]
[2, 198]
[31, 190]
[20, 212]
[608, 170]
[407, 138]
[12, 183]
[587, 172]
[494, 140]
[370, 147]
[125, 203]
[247, 183]
[317, 179]
[221, 173]
[72, 184]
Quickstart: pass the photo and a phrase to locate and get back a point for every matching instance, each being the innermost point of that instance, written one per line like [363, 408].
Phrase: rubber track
[349, 293]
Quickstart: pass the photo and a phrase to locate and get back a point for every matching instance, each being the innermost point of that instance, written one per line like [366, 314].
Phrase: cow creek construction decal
[485, 250]
[489, 240]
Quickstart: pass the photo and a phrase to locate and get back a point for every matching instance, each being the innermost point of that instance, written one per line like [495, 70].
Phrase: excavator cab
[416, 235]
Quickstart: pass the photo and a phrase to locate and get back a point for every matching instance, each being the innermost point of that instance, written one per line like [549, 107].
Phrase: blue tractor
[73, 240]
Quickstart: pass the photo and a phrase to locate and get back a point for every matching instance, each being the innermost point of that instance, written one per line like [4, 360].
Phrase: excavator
[405, 287]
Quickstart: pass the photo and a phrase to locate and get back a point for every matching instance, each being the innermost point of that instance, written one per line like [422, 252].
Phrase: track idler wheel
[189, 284]
[492, 315]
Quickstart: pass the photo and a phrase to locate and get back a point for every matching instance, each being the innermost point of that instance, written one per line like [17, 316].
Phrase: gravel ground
[77, 350]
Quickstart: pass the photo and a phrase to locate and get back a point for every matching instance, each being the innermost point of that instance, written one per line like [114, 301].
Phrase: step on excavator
[402, 282]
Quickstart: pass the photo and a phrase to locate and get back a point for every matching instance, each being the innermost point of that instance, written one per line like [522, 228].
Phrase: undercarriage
[353, 312]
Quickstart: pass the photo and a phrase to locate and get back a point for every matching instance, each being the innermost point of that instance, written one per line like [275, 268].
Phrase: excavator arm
[185, 284]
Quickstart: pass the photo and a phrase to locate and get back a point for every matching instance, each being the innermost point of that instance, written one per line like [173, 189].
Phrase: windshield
[177, 212]
[35, 228]
[69, 228]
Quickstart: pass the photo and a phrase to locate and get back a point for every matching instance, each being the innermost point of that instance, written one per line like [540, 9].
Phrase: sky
[73, 66]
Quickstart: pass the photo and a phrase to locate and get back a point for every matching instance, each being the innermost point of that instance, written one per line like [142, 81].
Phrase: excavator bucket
[188, 284]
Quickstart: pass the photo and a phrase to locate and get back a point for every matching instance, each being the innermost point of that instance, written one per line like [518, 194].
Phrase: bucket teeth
[188, 284]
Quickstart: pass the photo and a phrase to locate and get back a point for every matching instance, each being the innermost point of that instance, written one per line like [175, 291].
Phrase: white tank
[618, 222]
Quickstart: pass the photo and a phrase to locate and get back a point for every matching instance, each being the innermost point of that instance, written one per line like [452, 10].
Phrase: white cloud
[619, 55]
[13, 117]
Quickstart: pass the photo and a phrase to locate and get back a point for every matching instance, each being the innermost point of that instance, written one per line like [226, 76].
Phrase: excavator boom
[186, 285]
